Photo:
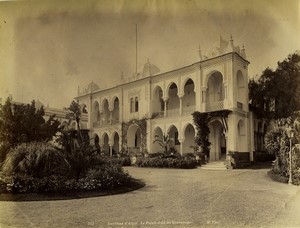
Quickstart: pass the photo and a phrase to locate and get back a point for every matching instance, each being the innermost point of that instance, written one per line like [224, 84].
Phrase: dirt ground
[171, 198]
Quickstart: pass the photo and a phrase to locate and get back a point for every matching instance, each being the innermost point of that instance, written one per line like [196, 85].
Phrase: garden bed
[176, 163]
[132, 185]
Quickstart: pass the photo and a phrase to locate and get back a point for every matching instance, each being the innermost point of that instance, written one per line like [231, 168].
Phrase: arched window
[136, 104]
[131, 105]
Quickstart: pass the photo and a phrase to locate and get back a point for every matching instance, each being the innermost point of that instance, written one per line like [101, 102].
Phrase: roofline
[167, 72]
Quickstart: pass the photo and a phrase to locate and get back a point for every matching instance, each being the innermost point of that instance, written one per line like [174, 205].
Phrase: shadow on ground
[256, 165]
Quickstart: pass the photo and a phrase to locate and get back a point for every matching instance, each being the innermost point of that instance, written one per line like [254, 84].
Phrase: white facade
[166, 101]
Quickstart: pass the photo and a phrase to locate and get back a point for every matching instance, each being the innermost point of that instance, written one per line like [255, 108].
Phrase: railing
[158, 114]
[214, 106]
[189, 110]
[115, 121]
[105, 123]
[96, 124]
[173, 112]
[84, 117]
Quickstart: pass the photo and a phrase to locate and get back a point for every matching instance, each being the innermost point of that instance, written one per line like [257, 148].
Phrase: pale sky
[49, 48]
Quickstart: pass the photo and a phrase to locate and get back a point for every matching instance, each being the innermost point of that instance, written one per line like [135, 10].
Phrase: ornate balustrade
[189, 110]
[173, 112]
[214, 106]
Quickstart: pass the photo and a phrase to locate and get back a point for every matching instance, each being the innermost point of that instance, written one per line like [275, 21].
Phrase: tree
[23, 123]
[277, 93]
[201, 121]
[75, 114]
[163, 141]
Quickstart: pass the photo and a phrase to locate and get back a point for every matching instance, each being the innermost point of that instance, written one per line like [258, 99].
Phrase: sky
[49, 48]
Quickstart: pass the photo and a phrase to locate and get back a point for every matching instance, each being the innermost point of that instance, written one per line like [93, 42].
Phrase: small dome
[150, 69]
[92, 87]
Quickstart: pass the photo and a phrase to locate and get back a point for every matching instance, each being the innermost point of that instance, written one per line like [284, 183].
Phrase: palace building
[130, 115]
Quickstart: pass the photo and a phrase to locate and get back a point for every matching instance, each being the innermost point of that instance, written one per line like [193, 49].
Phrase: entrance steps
[214, 165]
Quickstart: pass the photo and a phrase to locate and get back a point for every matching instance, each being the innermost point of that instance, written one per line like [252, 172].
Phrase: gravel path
[171, 198]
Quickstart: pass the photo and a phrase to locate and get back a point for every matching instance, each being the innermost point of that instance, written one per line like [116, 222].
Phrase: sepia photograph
[149, 113]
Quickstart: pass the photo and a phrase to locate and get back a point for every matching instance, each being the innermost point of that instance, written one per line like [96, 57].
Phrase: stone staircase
[214, 165]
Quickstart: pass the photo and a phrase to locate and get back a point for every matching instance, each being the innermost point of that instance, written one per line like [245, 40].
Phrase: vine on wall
[201, 121]
[142, 124]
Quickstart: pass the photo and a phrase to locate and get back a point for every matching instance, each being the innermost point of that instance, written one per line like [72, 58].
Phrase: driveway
[171, 198]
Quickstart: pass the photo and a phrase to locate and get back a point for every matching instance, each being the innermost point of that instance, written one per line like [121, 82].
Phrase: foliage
[39, 167]
[272, 140]
[36, 159]
[201, 121]
[142, 124]
[276, 177]
[23, 123]
[276, 94]
[154, 155]
[74, 113]
[106, 178]
[278, 144]
[158, 162]
[163, 141]
[122, 161]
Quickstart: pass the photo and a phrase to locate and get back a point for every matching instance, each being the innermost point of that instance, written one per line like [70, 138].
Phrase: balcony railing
[96, 124]
[189, 110]
[158, 114]
[214, 106]
[173, 112]
[115, 121]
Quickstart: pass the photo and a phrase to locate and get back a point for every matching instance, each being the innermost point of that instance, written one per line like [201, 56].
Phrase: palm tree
[75, 114]
[163, 141]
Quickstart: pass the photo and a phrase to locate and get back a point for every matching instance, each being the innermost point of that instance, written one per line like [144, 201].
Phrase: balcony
[214, 106]
[156, 115]
[96, 124]
[116, 121]
[173, 112]
[188, 110]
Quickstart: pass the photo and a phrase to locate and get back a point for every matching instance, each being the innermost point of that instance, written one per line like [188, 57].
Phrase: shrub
[167, 163]
[272, 140]
[277, 177]
[278, 144]
[154, 155]
[122, 161]
[40, 168]
[105, 178]
[36, 159]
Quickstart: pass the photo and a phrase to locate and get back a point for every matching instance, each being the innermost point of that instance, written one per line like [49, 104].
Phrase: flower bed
[158, 162]
[41, 168]
[106, 178]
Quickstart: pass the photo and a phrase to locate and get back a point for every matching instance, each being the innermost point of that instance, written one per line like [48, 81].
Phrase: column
[110, 117]
[181, 146]
[101, 147]
[203, 101]
[101, 118]
[180, 105]
[110, 150]
[166, 106]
